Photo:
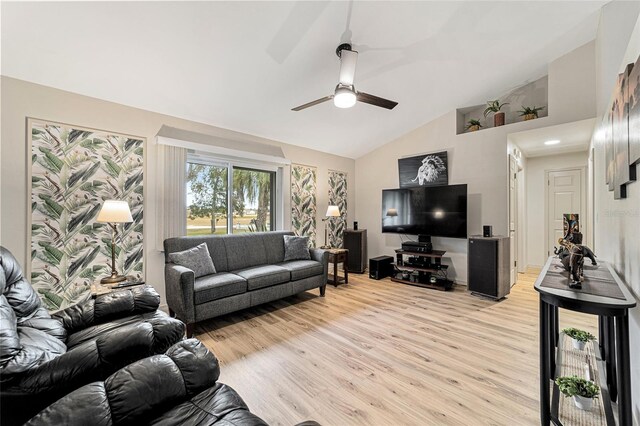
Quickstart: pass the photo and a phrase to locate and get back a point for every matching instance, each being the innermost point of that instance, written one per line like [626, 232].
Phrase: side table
[98, 288]
[339, 256]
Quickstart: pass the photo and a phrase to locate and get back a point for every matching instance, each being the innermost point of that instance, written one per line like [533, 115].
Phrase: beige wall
[478, 159]
[617, 222]
[536, 199]
[21, 99]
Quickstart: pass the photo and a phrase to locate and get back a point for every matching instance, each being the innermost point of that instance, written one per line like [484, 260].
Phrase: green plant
[471, 123]
[528, 110]
[574, 385]
[494, 106]
[577, 334]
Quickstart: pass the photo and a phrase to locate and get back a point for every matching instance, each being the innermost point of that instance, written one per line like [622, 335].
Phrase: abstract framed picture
[72, 170]
[424, 170]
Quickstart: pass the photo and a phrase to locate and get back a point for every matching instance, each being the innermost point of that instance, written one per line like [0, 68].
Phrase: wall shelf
[531, 94]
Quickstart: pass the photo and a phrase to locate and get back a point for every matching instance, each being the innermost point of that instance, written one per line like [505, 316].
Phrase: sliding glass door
[225, 198]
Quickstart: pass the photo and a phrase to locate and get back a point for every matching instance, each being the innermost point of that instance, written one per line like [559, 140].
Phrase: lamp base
[113, 279]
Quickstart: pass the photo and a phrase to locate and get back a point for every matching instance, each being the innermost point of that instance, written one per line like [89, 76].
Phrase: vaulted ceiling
[244, 65]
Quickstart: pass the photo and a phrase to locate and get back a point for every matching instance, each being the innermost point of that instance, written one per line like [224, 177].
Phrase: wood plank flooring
[383, 353]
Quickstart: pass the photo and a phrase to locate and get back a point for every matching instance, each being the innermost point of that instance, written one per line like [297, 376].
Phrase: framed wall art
[424, 170]
[72, 170]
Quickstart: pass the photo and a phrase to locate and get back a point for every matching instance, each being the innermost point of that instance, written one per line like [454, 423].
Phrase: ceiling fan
[345, 94]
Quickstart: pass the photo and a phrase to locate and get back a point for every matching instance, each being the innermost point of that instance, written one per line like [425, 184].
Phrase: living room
[205, 92]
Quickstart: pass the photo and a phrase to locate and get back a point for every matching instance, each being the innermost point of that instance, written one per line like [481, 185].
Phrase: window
[226, 197]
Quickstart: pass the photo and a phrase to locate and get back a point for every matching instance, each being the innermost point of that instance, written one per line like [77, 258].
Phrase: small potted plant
[495, 107]
[530, 113]
[473, 125]
[583, 391]
[579, 338]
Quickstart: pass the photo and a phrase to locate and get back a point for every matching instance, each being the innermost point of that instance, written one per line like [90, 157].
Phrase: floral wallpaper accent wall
[303, 201]
[337, 197]
[73, 170]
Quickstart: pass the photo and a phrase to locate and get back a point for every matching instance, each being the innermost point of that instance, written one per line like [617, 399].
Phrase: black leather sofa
[44, 357]
[177, 388]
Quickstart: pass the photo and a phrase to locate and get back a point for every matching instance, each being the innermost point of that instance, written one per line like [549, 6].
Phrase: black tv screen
[438, 211]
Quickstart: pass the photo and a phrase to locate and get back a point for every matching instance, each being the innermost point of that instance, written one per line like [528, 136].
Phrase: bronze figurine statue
[572, 253]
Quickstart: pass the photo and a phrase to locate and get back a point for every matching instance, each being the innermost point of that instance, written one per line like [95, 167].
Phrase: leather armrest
[105, 307]
[179, 283]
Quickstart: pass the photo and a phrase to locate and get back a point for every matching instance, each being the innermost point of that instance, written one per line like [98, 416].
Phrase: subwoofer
[380, 267]
[356, 242]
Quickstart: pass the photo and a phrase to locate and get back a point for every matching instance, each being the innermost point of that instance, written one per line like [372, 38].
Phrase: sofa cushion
[296, 248]
[196, 258]
[264, 276]
[218, 286]
[302, 268]
[274, 244]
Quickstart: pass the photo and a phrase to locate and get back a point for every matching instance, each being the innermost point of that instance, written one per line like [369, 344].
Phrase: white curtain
[172, 193]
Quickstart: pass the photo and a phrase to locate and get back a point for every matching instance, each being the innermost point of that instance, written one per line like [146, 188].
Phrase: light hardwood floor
[382, 353]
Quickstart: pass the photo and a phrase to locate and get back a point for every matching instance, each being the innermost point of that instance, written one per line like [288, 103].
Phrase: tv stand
[419, 268]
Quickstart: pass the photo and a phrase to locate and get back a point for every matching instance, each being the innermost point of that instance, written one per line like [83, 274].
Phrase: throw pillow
[296, 248]
[197, 259]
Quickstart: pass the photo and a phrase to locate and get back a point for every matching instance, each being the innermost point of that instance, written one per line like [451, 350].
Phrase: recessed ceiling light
[552, 142]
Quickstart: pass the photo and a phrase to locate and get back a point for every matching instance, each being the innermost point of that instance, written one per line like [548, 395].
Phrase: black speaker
[380, 267]
[488, 266]
[355, 225]
[487, 231]
[356, 242]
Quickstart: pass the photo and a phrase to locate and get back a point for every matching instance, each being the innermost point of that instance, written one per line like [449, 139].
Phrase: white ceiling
[244, 65]
[573, 137]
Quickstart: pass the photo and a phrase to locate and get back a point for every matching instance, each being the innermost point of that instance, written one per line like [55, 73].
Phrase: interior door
[513, 218]
[564, 195]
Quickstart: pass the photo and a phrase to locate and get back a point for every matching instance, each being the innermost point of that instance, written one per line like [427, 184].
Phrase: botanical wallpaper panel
[303, 201]
[72, 171]
[337, 197]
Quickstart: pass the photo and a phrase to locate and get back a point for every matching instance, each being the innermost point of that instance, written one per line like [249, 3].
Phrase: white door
[564, 195]
[513, 217]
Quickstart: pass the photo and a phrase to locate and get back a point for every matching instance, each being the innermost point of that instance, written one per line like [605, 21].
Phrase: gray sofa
[250, 270]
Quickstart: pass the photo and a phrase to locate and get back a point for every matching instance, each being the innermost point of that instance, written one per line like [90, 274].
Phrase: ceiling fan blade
[312, 103]
[375, 100]
[348, 60]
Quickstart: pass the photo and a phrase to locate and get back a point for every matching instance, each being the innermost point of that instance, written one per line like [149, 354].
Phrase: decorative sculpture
[572, 253]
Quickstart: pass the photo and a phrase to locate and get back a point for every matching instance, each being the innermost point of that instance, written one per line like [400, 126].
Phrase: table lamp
[114, 212]
[332, 211]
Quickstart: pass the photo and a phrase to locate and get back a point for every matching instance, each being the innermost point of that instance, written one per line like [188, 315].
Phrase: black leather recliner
[177, 388]
[44, 357]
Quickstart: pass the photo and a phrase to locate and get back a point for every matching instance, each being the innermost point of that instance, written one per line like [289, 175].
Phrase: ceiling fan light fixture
[344, 97]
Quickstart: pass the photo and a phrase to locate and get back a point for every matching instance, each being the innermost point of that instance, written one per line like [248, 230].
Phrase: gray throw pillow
[197, 259]
[296, 248]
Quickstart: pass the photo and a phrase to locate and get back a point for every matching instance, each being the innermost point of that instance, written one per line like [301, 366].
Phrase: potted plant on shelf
[495, 107]
[579, 338]
[473, 125]
[583, 391]
[530, 113]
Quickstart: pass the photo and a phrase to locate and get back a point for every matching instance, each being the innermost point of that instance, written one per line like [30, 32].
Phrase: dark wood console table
[605, 295]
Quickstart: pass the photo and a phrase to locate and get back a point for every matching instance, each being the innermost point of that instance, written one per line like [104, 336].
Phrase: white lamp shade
[333, 211]
[392, 212]
[114, 211]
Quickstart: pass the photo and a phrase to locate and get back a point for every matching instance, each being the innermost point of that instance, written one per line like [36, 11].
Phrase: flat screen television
[438, 211]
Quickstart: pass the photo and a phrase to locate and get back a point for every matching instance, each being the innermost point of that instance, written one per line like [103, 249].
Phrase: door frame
[583, 202]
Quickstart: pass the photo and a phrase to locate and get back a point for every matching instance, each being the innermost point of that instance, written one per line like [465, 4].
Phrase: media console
[422, 269]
